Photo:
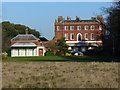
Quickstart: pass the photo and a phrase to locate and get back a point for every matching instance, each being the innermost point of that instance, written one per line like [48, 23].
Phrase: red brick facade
[97, 33]
[80, 33]
[95, 29]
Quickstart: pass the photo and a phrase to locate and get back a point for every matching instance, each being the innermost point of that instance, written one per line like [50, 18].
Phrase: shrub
[67, 54]
[58, 53]
[4, 55]
[96, 51]
[9, 52]
[49, 53]
[90, 52]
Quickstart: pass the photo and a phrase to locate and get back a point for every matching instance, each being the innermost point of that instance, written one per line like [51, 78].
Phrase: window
[18, 52]
[58, 28]
[32, 52]
[25, 52]
[86, 36]
[79, 37]
[92, 36]
[66, 36]
[71, 27]
[66, 27]
[72, 36]
[100, 27]
[78, 27]
[86, 27]
[92, 27]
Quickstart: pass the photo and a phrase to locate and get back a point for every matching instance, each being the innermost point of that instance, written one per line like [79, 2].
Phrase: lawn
[60, 72]
[64, 59]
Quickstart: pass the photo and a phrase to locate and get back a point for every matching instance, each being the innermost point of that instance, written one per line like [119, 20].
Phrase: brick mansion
[80, 35]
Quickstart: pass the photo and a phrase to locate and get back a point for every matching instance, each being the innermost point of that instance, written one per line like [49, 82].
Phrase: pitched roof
[43, 39]
[24, 45]
[25, 37]
[76, 21]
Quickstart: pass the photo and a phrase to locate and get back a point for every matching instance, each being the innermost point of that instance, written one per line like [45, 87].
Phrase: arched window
[72, 36]
[79, 37]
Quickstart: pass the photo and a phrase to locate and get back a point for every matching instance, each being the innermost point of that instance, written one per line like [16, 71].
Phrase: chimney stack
[77, 18]
[60, 18]
[93, 18]
[26, 31]
[101, 19]
[68, 18]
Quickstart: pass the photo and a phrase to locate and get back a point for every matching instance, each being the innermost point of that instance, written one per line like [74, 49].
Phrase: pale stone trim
[84, 41]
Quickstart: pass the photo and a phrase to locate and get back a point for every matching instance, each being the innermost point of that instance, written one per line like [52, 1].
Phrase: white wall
[27, 52]
[23, 52]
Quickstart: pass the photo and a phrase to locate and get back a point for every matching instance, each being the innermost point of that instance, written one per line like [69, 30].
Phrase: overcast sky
[41, 15]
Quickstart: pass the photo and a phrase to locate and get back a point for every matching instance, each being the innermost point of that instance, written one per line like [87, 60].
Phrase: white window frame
[86, 34]
[78, 35]
[100, 27]
[92, 36]
[79, 27]
[71, 27]
[92, 27]
[66, 28]
[86, 27]
[66, 36]
[58, 28]
[71, 36]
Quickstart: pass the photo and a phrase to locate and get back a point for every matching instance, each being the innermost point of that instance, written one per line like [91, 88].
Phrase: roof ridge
[25, 37]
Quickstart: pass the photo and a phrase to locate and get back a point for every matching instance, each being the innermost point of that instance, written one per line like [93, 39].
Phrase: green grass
[63, 59]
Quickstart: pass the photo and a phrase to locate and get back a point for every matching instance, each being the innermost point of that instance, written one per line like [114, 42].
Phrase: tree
[10, 30]
[63, 47]
[113, 26]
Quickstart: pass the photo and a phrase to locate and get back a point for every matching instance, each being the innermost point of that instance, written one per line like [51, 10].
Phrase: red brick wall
[97, 33]
[36, 42]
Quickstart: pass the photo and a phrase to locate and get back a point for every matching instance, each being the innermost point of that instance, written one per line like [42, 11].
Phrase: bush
[58, 53]
[9, 52]
[49, 53]
[4, 55]
[93, 52]
[97, 51]
[67, 54]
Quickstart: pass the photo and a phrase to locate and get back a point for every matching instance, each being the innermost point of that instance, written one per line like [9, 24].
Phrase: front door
[79, 37]
[40, 52]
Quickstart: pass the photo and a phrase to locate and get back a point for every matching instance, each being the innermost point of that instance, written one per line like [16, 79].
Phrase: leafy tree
[111, 43]
[63, 47]
[10, 30]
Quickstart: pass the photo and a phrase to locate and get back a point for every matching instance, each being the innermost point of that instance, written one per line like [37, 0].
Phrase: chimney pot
[68, 18]
[26, 31]
[77, 18]
[60, 18]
